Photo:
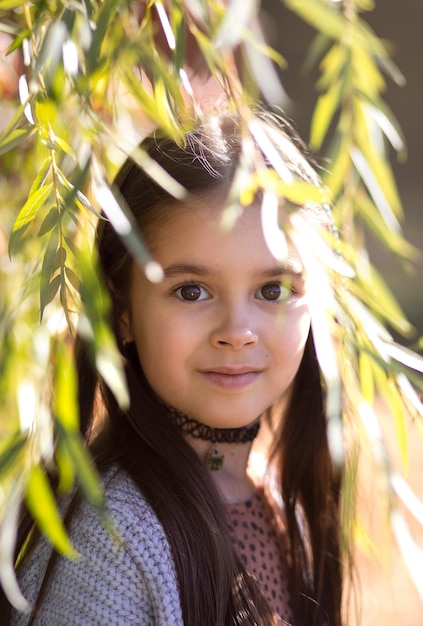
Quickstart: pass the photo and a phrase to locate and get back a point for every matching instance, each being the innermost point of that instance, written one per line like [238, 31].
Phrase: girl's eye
[191, 292]
[274, 292]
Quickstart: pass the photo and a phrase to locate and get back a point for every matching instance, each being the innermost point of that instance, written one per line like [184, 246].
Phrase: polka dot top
[255, 537]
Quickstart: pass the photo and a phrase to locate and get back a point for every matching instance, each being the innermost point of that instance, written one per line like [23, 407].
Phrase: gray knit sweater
[125, 582]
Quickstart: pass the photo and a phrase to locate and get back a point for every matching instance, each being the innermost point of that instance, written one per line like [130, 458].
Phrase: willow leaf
[323, 114]
[50, 221]
[388, 123]
[390, 239]
[65, 399]
[72, 278]
[31, 207]
[86, 473]
[41, 177]
[397, 408]
[366, 377]
[7, 5]
[377, 48]
[376, 191]
[11, 449]
[321, 16]
[180, 29]
[333, 65]
[383, 174]
[315, 52]
[340, 165]
[49, 265]
[66, 469]
[367, 76]
[47, 293]
[15, 138]
[41, 504]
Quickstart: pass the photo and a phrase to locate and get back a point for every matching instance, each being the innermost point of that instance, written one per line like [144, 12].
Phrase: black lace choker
[190, 426]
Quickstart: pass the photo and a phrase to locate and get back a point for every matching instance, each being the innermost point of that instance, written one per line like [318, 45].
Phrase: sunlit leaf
[320, 15]
[410, 551]
[7, 5]
[40, 501]
[340, 165]
[333, 65]
[381, 171]
[408, 497]
[11, 448]
[27, 214]
[404, 355]
[368, 77]
[87, 476]
[366, 377]
[31, 207]
[377, 192]
[41, 177]
[397, 408]
[377, 225]
[323, 114]
[15, 138]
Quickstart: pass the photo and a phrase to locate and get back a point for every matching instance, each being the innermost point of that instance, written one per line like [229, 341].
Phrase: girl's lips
[231, 380]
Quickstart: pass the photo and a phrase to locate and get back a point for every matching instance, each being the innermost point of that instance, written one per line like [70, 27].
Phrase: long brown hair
[163, 465]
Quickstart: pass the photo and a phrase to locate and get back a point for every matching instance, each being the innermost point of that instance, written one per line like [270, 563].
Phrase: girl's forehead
[198, 229]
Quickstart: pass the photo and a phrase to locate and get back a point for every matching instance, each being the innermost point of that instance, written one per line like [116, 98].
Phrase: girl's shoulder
[124, 574]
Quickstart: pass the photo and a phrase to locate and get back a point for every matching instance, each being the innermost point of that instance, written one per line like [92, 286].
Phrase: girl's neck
[232, 480]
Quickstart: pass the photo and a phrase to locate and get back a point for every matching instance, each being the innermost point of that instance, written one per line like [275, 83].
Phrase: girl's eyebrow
[290, 267]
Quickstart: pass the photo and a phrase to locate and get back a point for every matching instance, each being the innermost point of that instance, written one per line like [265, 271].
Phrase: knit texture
[125, 581]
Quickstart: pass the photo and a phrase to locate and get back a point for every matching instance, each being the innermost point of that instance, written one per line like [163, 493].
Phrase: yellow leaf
[366, 377]
[43, 508]
[323, 114]
[332, 65]
[397, 409]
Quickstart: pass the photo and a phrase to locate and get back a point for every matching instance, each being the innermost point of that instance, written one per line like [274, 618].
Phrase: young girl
[219, 347]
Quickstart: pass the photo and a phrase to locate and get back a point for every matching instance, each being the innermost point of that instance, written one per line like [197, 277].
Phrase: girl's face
[219, 338]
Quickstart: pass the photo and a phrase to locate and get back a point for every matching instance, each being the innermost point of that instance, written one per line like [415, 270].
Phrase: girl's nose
[234, 333]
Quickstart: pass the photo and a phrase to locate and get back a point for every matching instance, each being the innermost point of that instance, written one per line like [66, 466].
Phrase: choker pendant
[189, 426]
[215, 459]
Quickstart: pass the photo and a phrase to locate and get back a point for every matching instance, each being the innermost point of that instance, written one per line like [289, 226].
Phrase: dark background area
[401, 24]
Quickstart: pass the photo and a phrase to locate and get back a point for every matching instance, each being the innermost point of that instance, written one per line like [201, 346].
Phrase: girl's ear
[125, 328]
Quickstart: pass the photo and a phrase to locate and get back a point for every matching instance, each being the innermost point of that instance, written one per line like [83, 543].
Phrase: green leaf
[49, 265]
[41, 177]
[65, 399]
[48, 292]
[15, 138]
[27, 214]
[315, 52]
[11, 450]
[50, 221]
[86, 473]
[72, 278]
[42, 506]
[31, 207]
[7, 5]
